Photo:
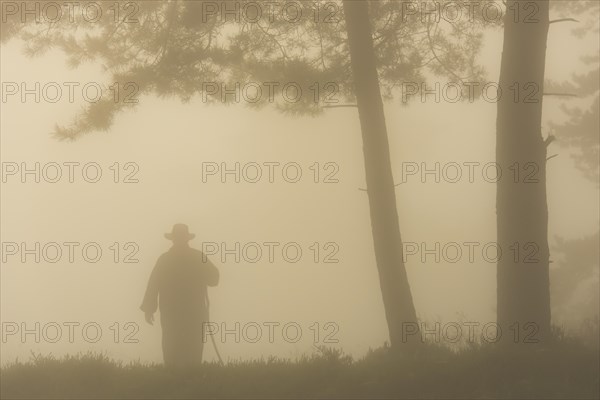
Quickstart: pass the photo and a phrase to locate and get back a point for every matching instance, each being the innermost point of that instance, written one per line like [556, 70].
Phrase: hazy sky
[170, 141]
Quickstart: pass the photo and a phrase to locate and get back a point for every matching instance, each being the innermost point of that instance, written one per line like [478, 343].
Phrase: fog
[166, 153]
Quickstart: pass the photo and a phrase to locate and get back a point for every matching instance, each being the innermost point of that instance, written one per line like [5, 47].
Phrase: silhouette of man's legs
[182, 343]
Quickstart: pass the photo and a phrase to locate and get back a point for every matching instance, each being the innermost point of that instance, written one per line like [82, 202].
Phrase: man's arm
[150, 302]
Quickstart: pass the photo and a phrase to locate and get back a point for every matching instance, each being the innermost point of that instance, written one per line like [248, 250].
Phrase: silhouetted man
[177, 286]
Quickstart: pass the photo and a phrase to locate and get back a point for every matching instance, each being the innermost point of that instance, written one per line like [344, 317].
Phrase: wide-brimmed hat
[180, 231]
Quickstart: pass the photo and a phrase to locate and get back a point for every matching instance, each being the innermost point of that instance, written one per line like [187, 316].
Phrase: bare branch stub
[563, 20]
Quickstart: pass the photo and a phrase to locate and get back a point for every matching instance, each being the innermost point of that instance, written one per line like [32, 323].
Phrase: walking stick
[212, 338]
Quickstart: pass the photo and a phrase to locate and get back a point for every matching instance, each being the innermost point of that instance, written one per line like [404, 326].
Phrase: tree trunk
[397, 299]
[521, 206]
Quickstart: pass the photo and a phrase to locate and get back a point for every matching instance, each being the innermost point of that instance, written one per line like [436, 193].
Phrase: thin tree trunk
[521, 207]
[397, 299]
